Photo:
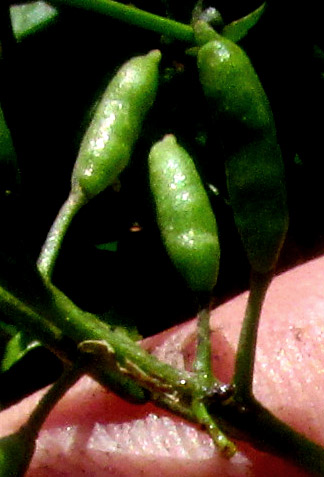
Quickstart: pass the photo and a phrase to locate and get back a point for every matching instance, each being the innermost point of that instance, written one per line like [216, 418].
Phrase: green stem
[245, 355]
[68, 378]
[176, 388]
[17, 449]
[269, 434]
[204, 375]
[203, 362]
[82, 326]
[159, 378]
[63, 326]
[55, 237]
[33, 321]
[23, 316]
[134, 16]
[221, 441]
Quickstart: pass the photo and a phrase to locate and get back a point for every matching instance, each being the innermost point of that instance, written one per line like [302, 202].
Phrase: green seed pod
[184, 214]
[254, 166]
[108, 143]
[231, 83]
[16, 451]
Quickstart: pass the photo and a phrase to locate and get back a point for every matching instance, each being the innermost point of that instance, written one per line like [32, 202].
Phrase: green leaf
[30, 18]
[7, 329]
[9, 174]
[17, 347]
[238, 29]
[7, 151]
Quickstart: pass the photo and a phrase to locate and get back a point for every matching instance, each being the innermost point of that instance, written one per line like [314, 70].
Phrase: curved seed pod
[184, 214]
[108, 143]
[254, 166]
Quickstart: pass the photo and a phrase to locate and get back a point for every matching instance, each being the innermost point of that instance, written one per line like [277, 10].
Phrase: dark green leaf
[110, 246]
[31, 18]
[17, 347]
[238, 29]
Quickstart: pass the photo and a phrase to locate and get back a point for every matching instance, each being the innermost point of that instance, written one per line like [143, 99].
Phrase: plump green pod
[256, 187]
[108, 143]
[184, 214]
[231, 83]
[254, 166]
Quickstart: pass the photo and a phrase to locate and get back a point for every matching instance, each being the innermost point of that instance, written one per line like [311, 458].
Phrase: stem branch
[55, 237]
[203, 362]
[269, 434]
[134, 16]
[68, 378]
[221, 441]
[245, 355]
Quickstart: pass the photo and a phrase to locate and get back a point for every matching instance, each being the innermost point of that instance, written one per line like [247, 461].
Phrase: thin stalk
[245, 355]
[204, 375]
[269, 434]
[68, 378]
[55, 237]
[23, 316]
[20, 446]
[178, 408]
[133, 16]
[221, 441]
[203, 362]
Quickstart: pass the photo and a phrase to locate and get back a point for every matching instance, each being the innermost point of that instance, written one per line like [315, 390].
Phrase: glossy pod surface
[230, 81]
[253, 162]
[185, 218]
[108, 143]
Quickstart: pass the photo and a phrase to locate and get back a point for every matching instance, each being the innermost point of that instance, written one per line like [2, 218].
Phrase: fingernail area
[155, 445]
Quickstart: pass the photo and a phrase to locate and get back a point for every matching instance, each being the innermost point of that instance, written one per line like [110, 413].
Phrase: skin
[92, 432]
